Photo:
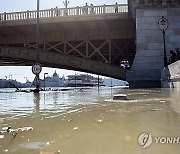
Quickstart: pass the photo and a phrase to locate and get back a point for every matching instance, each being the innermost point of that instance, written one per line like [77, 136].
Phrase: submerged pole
[75, 81]
[98, 82]
[37, 46]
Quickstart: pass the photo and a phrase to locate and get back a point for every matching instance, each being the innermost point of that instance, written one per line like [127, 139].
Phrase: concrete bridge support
[170, 76]
[148, 62]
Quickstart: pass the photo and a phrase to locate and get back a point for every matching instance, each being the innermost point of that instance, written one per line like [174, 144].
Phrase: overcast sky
[19, 73]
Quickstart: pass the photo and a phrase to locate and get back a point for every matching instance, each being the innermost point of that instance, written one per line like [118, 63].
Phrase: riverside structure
[97, 42]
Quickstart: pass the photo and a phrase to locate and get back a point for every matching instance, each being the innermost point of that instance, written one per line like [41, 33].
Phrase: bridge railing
[55, 12]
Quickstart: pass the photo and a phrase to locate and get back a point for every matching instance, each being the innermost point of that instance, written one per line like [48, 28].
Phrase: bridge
[93, 39]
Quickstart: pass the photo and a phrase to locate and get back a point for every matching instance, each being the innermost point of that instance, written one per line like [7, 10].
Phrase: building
[4, 83]
[83, 80]
[54, 81]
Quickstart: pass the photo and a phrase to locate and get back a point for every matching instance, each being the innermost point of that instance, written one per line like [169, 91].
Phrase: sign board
[36, 68]
[35, 81]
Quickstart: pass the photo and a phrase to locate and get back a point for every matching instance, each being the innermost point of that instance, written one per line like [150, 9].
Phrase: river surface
[86, 121]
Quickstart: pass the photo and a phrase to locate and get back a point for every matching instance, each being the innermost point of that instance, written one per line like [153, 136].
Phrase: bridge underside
[91, 43]
[101, 57]
[111, 51]
[10, 56]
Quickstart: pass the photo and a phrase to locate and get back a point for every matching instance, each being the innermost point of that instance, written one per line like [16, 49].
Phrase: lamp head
[163, 24]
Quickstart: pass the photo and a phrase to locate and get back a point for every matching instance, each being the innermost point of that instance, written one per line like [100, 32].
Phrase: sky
[21, 73]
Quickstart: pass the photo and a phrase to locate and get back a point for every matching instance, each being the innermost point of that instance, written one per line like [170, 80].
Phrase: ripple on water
[118, 121]
[157, 109]
[2, 120]
[35, 145]
[1, 136]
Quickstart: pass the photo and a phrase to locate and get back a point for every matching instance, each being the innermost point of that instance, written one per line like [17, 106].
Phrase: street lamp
[66, 2]
[44, 80]
[75, 81]
[163, 26]
[98, 82]
[37, 46]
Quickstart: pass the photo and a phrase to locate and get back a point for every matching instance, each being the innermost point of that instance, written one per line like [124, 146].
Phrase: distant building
[9, 83]
[54, 81]
[28, 84]
[3, 83]
[111, 82]
[83, 80]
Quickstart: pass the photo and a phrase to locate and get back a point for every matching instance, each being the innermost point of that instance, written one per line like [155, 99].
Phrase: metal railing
[61, 12]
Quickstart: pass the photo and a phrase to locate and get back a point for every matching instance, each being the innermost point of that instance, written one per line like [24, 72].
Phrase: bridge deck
[63, 12]
[19, 27]
[101, 38]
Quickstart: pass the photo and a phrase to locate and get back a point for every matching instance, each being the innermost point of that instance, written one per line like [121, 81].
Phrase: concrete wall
[148, 62]
[170, 76]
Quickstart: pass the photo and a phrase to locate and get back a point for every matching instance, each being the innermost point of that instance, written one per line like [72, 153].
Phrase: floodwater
[86, 121]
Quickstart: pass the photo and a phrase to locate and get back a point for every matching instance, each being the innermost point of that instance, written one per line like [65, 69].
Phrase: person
[86, 8]
[178, 54]
[116, 7]
[172, 57]
[92, 9]
[56, 11]
[65, 11]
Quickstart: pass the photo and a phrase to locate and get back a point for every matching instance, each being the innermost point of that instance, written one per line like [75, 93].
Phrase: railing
[60, 12]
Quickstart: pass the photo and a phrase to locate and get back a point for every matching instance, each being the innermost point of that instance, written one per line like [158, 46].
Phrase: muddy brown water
[89, 122]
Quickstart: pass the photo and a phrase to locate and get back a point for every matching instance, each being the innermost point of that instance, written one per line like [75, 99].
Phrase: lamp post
[66, 2]
[37, 46]
[98, 82]
[44, 80]
[163, 26]
[75, 81]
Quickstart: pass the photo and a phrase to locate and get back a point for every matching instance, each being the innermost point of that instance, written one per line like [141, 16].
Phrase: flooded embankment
[86, 121]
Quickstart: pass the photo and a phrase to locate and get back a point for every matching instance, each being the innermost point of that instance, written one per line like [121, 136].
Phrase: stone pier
[149, 58]
[170, 76]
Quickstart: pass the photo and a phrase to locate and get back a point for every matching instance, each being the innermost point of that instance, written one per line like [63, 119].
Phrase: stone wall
[134, 4]
[148, 62]
[170, 76]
